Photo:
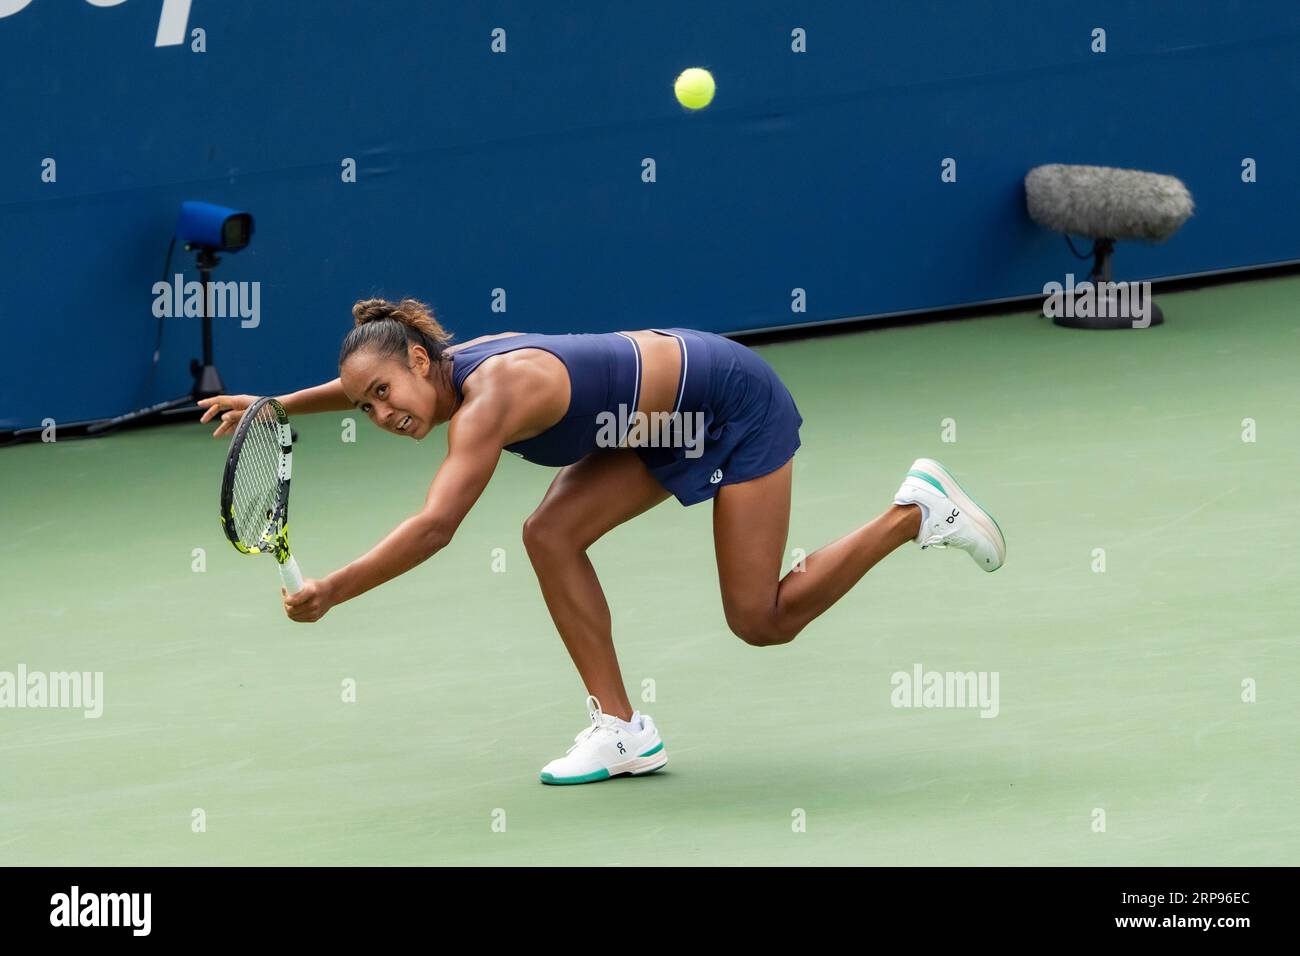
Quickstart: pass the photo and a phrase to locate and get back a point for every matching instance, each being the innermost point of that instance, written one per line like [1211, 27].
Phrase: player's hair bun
[390, 326]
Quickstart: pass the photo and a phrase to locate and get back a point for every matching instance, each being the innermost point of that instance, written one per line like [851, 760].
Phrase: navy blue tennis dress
[750, 425]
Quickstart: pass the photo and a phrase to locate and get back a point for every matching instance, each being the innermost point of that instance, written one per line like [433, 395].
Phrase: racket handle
[291, 576]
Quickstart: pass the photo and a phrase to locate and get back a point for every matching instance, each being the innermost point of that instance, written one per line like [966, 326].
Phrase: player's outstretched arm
[474, 441]
[328, 397]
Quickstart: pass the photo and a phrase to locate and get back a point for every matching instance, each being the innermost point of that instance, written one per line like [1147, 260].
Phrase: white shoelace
[600, 721]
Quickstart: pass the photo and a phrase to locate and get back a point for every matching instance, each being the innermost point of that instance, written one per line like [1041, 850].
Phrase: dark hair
[388, 327]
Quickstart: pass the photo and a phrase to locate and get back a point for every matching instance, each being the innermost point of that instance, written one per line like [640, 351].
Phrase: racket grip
[291, 576]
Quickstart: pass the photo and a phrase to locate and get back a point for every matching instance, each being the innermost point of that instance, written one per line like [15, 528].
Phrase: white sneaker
[949, 517]
[606, 749]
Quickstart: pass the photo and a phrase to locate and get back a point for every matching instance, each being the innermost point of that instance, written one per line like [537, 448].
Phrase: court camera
[209, 226]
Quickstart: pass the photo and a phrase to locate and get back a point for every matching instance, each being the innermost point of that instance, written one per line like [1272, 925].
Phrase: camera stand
[207, 380]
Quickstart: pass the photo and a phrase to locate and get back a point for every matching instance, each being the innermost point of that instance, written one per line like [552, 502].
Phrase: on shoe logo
[715, 477]
[952, 518]
[621, 748]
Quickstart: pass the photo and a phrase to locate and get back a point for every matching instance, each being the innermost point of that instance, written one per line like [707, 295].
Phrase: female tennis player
[630, 418]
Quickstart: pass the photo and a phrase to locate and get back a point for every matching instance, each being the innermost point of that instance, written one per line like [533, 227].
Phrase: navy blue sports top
[747, 424]
[604, 373]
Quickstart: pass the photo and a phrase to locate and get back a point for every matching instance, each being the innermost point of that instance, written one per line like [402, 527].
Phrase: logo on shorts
[715, 477]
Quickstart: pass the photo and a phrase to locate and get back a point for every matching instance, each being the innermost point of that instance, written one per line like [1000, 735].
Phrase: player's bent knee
[536, 534]
[545, 536]
[758, 630]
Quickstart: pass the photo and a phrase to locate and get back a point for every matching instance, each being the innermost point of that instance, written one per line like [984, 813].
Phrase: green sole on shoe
[593, 777]
[603, 774]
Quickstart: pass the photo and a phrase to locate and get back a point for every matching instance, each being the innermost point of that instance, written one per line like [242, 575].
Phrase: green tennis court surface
[1119, 691]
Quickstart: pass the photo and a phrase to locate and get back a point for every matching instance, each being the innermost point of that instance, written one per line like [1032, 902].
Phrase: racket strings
[257, 478]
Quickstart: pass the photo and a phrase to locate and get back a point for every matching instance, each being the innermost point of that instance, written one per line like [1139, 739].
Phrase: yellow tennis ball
[694, 88]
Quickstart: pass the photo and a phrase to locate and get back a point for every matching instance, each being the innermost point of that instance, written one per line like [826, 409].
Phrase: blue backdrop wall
[522, 170]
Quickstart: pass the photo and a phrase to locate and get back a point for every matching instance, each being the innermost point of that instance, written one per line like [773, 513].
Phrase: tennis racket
[255, 487]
